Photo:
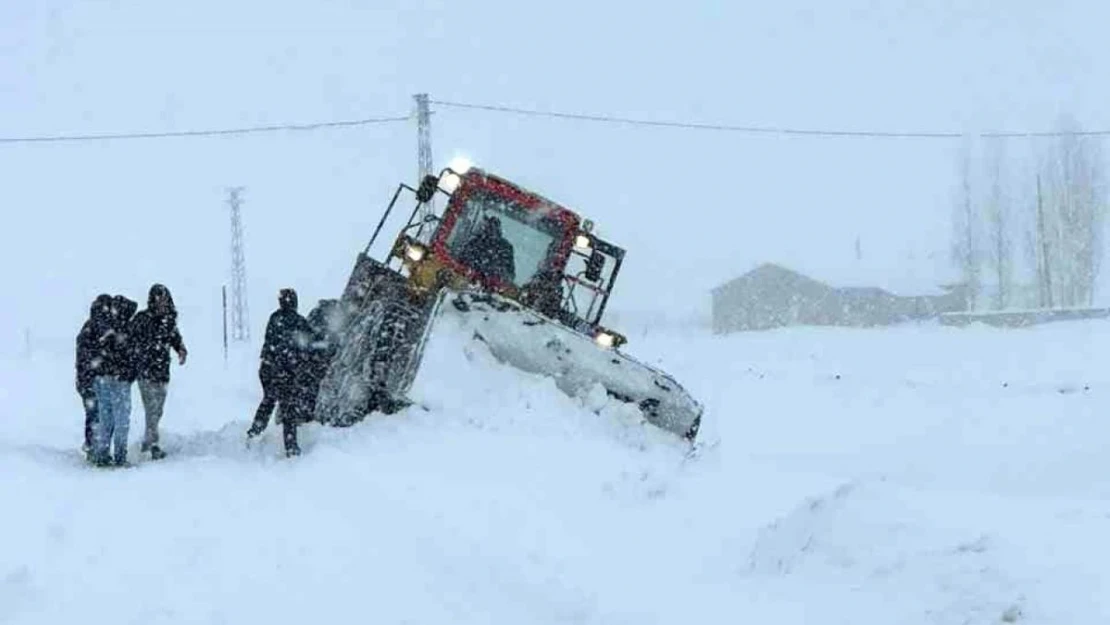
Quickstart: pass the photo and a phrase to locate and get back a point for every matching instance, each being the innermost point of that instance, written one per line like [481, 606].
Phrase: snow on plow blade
[526, 340]
[384, 345]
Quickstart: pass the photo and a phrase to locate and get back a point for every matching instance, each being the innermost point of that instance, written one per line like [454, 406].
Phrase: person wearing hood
[323, 320]
[88, 361]
[153, 333]
[112, 385]
[489, 253]
[285, 352]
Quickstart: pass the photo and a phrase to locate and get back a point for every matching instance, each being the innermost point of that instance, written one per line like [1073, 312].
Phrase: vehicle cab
[505, 239]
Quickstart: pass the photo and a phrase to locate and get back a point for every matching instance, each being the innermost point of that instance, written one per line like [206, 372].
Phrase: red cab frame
[477, 180]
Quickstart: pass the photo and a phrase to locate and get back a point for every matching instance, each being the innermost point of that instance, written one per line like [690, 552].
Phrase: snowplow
[523, 274]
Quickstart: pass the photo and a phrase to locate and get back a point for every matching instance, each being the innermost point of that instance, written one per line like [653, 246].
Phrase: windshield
[500, 238]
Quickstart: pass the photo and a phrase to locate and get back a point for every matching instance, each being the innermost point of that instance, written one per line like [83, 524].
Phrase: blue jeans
[113, 399]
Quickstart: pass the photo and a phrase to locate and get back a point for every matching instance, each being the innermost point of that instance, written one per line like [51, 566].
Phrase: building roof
[857, 276]
[772, 271]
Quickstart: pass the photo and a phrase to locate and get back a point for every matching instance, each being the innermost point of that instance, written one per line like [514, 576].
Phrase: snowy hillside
[912, 475]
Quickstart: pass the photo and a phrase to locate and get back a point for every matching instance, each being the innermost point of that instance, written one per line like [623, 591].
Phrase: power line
[597, 118]
[205, 133]
[766, 130]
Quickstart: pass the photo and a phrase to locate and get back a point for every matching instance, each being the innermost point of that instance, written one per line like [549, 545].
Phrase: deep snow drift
[910, 475]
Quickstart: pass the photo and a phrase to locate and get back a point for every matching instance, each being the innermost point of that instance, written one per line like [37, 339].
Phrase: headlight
[449, 182]
[415, 252]
[460, 164]
[605, 339]
[582, 242]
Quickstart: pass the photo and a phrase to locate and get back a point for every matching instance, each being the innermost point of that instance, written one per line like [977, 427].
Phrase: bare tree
[1062, 223]
[997, 214]
[965, 245]
[1042, 252]
[1074, 209]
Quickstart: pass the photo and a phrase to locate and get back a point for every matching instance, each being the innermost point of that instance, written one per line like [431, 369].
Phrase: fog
[692, 207]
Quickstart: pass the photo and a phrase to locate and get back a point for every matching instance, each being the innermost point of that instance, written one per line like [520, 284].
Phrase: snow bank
[914, 475]
[869, 543]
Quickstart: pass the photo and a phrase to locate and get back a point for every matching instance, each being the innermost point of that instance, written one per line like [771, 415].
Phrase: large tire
[390, 359]
[343, 396]
[370, 370]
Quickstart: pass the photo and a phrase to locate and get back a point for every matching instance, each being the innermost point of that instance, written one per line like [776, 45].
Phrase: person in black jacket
[544, 292]
[154, 332]
[285, 356]
[88, 361]
[112, 384]
[489, 253]
[324, 321]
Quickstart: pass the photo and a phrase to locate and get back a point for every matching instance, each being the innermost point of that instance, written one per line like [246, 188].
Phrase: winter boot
[254, 430]
[100, 462]
[289, 435]
[156, 452]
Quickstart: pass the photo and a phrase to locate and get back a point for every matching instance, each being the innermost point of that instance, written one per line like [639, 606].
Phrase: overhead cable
[596, 118]
[203, 133]
[765, 130]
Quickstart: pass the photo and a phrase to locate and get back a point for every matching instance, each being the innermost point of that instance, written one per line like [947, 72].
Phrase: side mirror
[594, 264]
[427, 188]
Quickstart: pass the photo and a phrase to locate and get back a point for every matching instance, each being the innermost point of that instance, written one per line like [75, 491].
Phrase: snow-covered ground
[919, 474]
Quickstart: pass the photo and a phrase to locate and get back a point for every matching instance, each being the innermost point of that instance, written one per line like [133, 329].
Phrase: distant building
[771, 296]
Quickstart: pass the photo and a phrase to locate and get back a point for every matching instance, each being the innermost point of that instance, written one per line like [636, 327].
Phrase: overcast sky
[693, 207]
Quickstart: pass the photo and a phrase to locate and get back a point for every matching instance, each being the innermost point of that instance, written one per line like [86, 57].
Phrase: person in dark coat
[88, 361]
[112, 385]
[324, 321]
[489, 253]
[154, 332]
[284, 355]
[544, 292]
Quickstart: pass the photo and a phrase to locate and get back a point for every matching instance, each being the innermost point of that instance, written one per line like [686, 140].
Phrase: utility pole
[240, 327]
[424, 145]
[423, 136]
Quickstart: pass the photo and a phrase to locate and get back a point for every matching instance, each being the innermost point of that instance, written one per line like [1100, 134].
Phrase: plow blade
[526, 340]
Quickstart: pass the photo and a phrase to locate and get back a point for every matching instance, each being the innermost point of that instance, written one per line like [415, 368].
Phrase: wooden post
[225, 323]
